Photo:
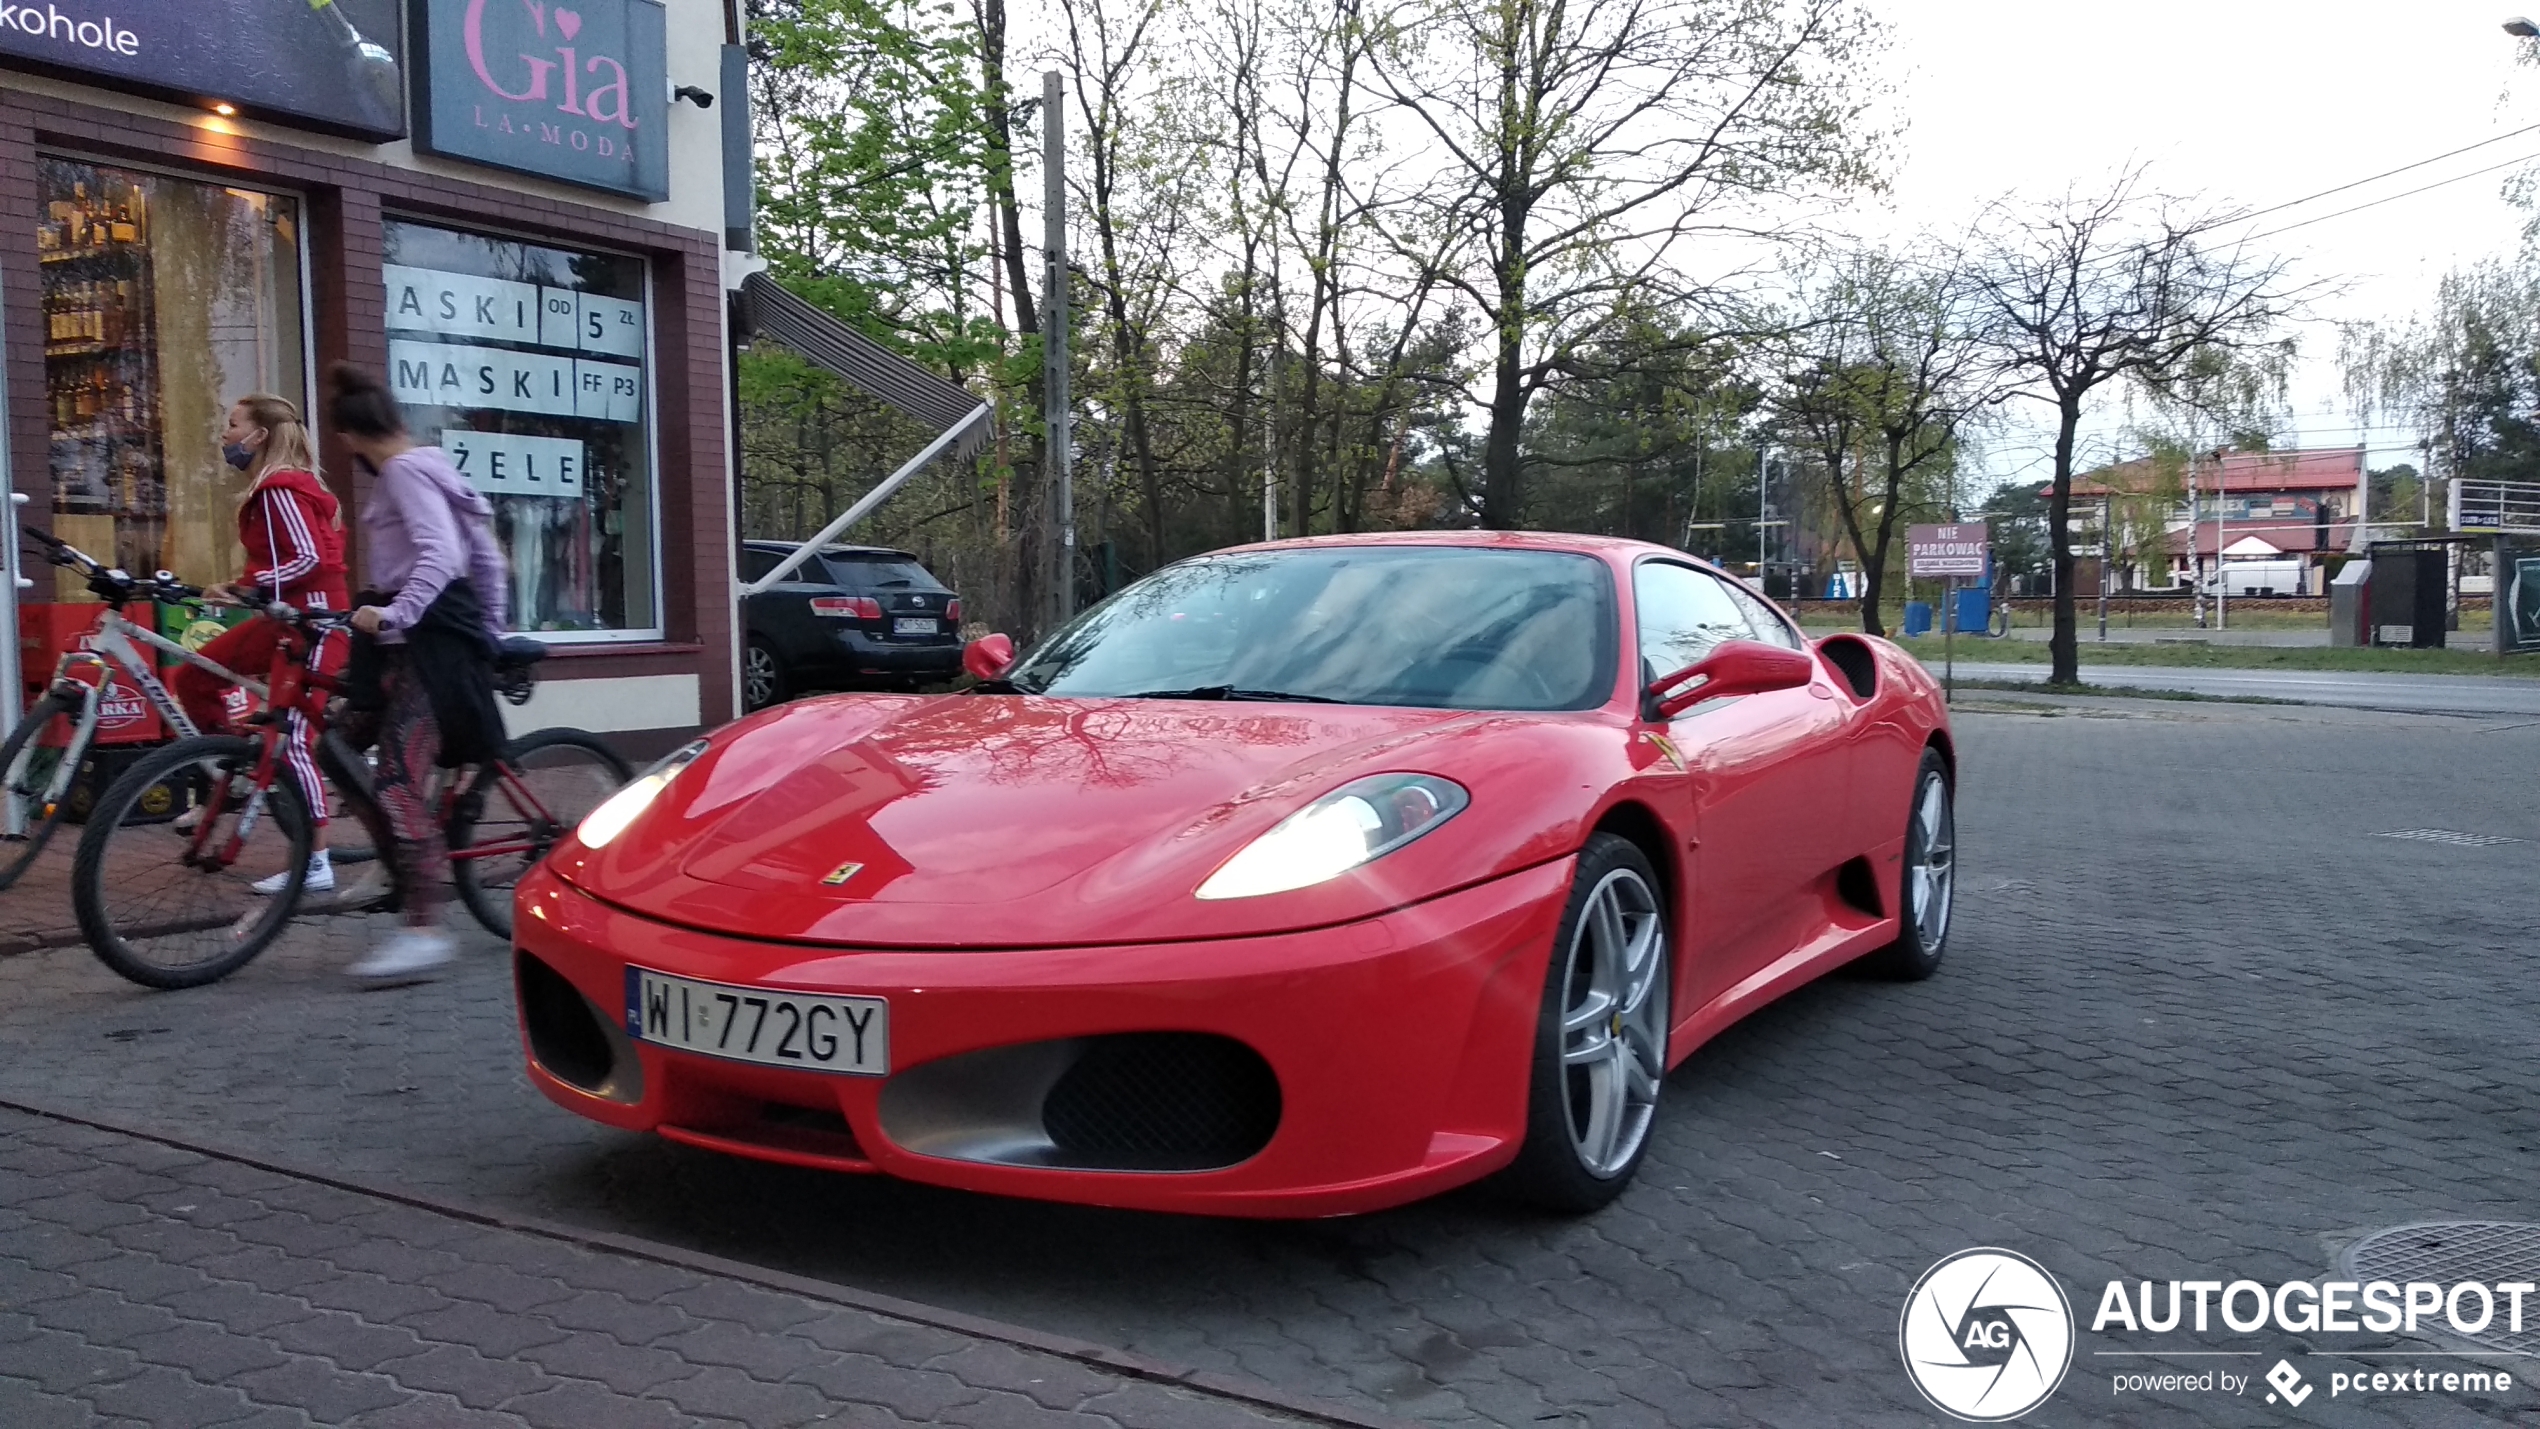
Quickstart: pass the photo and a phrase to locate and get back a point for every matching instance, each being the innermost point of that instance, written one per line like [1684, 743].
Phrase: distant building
[2276, 517]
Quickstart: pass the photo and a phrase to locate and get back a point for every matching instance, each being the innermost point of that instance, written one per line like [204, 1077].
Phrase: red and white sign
[1958, 550]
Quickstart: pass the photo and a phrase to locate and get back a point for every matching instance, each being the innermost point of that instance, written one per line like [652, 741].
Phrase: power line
[2385, 174]
[2394, 198]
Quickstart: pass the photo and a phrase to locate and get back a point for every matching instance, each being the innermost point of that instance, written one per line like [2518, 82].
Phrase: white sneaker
[405, 956]
[321, 877]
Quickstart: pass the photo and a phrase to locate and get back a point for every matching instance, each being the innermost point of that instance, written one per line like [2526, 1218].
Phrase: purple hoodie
[424, 527]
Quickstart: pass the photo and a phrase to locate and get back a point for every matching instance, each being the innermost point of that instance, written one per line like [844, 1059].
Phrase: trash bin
[1918, 617]
[2350, 605]
[1973, 611]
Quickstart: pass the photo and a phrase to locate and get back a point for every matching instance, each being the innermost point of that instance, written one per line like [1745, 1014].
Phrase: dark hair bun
[358, 404]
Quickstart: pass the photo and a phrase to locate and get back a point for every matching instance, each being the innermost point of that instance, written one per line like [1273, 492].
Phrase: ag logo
[1987, 1335]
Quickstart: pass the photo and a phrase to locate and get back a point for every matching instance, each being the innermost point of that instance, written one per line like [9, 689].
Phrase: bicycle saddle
[517, 651]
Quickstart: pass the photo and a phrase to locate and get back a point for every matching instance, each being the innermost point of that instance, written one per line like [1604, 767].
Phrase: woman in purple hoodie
[428, 550]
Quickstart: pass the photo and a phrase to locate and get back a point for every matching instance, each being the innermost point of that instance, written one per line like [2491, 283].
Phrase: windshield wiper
[1231, 692]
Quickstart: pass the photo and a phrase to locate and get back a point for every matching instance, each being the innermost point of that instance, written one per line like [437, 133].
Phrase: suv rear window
[881, 572]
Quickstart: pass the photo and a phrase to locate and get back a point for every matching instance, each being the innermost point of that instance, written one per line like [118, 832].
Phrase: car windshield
[1444, 627]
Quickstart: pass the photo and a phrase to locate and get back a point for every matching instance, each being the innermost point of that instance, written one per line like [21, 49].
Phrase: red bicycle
[174, 907]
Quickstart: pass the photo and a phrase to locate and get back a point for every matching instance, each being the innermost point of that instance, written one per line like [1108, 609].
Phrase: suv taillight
[952, 610]
[847, 607]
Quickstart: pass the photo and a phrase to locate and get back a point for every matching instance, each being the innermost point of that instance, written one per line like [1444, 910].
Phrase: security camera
[694, 95]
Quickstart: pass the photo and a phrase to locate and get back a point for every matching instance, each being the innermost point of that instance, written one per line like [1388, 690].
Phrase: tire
[567, 773]
[763, 680]
[1927, 890]
[1597, 1075]
[157, 918]
[27, 769]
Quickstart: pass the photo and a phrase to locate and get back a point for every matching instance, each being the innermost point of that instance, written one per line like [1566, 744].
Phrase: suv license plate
[913, 625]
[762, 1025]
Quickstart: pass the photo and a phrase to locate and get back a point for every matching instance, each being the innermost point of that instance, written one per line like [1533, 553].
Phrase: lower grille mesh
[1163, 1101]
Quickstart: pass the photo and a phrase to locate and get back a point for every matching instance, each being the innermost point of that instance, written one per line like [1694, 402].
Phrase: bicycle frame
[84, 674]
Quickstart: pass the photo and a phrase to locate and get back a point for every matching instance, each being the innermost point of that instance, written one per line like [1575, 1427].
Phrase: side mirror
[1734, 667]
[989, 656]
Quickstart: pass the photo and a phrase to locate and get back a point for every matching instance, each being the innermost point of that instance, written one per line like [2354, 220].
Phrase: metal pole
[2222, 581]
[871, 499]
[2195, 561]
[2106, 546]
[1054, 328]
[11, 584]
[1949, 639]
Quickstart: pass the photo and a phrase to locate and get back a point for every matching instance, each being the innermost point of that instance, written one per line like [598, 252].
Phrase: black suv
[848, 617]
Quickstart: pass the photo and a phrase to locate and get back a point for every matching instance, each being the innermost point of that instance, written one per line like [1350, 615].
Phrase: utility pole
[1054, 329]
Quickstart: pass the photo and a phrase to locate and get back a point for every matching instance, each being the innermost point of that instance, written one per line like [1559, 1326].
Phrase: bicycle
[170, 912]
[44, 754]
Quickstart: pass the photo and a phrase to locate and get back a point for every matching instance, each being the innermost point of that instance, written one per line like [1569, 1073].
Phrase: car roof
[1608, 547]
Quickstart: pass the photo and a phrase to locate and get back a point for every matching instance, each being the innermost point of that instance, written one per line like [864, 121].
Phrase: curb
[1120, 1362]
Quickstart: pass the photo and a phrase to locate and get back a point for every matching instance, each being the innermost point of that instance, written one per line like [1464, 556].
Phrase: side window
[1770, 626]
[756, 564]
[1683, 614]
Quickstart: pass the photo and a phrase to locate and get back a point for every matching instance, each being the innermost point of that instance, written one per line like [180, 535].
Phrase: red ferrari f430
[1298, 879]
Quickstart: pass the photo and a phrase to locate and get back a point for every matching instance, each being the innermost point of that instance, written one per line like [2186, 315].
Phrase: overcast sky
[2241, 102]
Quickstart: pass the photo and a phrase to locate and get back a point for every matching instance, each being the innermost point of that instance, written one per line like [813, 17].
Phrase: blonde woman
[294, 534]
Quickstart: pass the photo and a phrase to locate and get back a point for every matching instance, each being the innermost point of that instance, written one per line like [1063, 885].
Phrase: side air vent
[1856, 662]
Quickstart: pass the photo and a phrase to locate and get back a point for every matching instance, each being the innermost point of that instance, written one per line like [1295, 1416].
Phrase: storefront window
[165, 300]
[526, 363]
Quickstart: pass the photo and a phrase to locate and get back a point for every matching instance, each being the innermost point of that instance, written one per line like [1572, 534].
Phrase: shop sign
[574, 93]
[329, 64]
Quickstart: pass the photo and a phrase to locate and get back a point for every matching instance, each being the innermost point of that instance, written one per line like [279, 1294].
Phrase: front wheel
[515, 811]
[1927, 892]
[1600, 1050]
[36, 767]
[170, 907]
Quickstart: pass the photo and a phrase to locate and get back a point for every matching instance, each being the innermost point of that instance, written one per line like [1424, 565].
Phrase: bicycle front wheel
[516, 810]
[173, 907]
[33, 786]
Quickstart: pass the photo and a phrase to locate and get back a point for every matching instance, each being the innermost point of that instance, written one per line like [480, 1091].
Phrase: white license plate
[913, 625]
[762, 1025]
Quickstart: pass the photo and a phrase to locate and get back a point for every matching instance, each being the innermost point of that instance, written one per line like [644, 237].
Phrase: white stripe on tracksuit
[300, 750]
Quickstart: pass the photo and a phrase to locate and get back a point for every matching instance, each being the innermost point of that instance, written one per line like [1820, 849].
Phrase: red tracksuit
[295, 554]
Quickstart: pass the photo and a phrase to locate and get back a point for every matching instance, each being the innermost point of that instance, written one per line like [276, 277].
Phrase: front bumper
[1400, 1046]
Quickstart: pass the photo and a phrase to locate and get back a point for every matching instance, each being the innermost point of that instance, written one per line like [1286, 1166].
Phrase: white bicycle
[43, 755]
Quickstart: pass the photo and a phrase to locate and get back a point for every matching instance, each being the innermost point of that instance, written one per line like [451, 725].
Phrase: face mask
[237, 454]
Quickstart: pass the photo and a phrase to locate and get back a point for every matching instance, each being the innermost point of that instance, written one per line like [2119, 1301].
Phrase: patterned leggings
[409, 748]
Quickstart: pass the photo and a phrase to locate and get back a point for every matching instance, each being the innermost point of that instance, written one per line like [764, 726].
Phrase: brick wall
[348, 198]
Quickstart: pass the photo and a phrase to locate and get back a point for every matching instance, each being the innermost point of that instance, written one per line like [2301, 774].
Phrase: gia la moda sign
[1986, 1335]
[574, 92]
[1957, 549]
[324, 64]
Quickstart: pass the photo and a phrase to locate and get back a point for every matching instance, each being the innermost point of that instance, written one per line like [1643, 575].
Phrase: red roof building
[2275, 515]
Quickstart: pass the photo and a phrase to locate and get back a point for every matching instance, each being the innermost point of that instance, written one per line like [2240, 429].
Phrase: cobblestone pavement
[2197, 1023]
[148, 1284]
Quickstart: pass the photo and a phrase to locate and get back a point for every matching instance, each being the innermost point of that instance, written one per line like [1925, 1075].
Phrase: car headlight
[1357, 823]
[619, 809]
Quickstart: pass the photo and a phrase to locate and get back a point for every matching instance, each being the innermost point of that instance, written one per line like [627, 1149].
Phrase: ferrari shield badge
[842, 873]
[1666, 747]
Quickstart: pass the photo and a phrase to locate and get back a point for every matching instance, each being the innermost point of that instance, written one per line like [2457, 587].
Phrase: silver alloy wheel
[1614, 1023]
[1930, 879]
[758, 677]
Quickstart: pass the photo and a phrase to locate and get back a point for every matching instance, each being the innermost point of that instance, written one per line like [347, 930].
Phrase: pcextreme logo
[1987, 1335]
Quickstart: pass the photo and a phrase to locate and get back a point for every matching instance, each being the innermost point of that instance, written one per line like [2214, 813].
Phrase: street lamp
[2522, 29]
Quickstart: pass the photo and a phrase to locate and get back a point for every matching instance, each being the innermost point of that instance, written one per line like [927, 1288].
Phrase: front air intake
[1163, 1101]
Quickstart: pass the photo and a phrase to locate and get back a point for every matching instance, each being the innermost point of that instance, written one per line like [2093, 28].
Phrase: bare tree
[1886, 367]
[2116, 288]
[1583, 142]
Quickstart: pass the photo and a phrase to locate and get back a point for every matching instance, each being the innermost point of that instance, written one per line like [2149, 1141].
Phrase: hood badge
[842, 873]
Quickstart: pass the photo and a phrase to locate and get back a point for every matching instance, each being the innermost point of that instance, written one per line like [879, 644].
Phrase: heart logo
[568, 22]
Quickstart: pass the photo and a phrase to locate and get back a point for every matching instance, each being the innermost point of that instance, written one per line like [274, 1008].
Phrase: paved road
[2197, 1022]
[147, 1284]
[2430, 694]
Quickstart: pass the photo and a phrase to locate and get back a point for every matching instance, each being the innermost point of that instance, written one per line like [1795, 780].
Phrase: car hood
[1008, 821]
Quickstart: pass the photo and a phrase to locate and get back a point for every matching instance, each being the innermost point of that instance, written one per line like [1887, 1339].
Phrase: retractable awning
[763, 308]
